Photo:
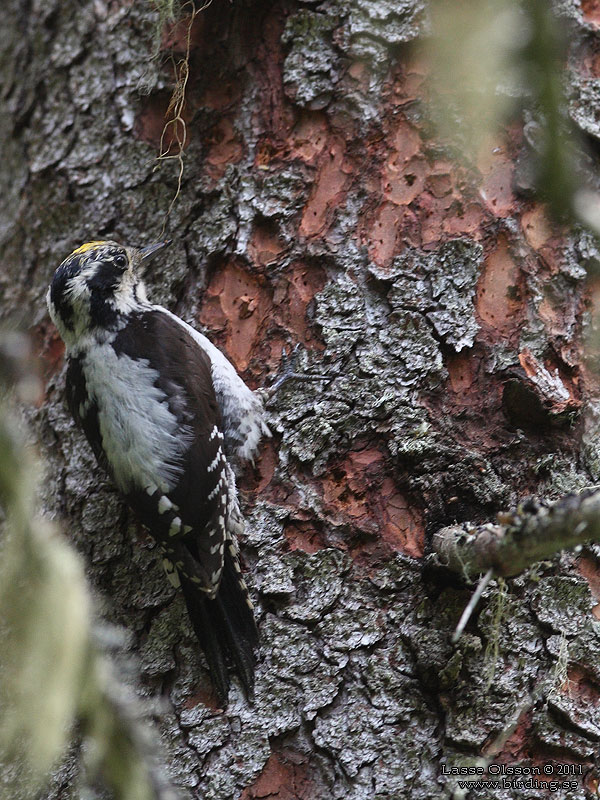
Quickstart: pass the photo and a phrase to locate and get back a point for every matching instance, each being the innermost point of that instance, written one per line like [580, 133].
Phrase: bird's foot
[289, 364]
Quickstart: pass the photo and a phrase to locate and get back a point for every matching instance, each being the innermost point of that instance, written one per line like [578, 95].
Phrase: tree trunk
[318, 207]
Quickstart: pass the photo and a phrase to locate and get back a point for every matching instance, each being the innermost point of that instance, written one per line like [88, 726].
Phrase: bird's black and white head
[96, 287]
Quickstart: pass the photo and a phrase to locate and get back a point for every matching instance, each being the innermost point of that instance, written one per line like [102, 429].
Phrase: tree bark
[318, 206]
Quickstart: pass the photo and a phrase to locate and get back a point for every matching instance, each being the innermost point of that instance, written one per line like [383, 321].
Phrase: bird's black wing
[191, 513]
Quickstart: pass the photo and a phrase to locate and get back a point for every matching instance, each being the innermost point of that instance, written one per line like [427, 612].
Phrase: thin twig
[470, 607]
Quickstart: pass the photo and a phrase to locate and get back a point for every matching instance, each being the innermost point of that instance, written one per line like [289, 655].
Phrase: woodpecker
[168, 418]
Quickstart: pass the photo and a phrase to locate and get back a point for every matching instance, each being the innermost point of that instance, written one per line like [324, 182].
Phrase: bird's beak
[151, 249]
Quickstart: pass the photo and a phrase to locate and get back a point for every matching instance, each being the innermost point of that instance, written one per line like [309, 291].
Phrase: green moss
[167, 12]
[497, 611]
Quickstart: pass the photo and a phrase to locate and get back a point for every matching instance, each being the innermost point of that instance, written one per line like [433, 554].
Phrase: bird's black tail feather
[225, 627]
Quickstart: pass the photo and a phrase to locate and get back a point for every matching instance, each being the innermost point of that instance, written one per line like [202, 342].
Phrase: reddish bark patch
[552, 312]
[408, 75]
[425, 201]
[293, 293]
[223, 147]
[560, 312]
[405, 169]
[309, 137]
[265, 245]
[328, 190]
[176, 34]
[405, 143]
[517, 748]
[389, 225]
[462, 219]
[403, 526]
[303, 535]
[282, 779]
[444, 215]
[461, 371]
[206, 697]
[151, 120]
[351, 489]
[222, 96]
[359, 492]
[579, 684]
[520, 748]
[536, 226]
[265, 468]
[591, 11]
[589, 57]
[273, 112]
[497, 170]
[236, 303]
[404, 182]
[344, 491]
[498, 298]
[48, 348]
[440, 183]
[272, 351]
[544, 236]
[590, 569]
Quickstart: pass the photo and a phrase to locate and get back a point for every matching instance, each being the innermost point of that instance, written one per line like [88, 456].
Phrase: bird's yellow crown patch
[87, 246]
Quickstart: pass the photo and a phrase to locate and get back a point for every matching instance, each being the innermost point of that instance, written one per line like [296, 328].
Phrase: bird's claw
[288, 371]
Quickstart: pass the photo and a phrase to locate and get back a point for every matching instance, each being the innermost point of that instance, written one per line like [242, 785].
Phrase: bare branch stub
[529, 537]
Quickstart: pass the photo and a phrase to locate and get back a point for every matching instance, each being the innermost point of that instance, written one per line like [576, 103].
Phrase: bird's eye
[120, 261]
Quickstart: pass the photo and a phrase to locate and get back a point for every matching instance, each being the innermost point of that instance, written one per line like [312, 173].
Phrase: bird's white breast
[142, 439]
